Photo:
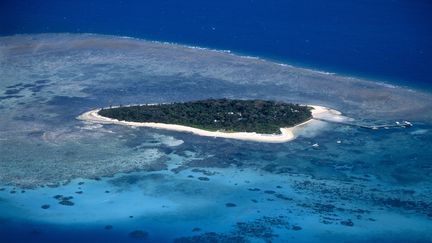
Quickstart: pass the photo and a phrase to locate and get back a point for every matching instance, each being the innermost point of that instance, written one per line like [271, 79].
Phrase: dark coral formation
[261, 229]
[211, 237]
[63, 200]
[45, 206]
[138, 234]
[347, 222]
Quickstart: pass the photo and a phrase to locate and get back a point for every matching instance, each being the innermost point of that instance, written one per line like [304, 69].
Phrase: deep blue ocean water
[379, 181]
[388, 40]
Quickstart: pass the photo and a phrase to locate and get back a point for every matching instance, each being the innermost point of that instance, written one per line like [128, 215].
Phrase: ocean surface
[64, 180]
[388, 40]
[71, 181]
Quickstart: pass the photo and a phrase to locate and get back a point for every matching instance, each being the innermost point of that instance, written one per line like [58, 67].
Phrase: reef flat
[49, 79]
[332, 183]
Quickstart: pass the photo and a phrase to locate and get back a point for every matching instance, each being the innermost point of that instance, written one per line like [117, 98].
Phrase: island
[255, 120]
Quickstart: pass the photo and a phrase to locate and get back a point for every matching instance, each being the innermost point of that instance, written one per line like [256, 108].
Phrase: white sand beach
[287, 133]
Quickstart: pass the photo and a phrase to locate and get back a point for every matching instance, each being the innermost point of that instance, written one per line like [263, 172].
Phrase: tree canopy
[229, 115]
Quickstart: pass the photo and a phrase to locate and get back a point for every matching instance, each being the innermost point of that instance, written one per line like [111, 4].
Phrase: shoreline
[287, 133]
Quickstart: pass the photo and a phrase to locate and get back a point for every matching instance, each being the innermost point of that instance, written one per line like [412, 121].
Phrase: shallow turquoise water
[356, 185]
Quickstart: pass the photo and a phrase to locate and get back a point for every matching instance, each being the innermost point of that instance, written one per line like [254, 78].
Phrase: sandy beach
[287, 133]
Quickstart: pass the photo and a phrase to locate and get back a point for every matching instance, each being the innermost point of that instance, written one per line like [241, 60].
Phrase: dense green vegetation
[218, 114]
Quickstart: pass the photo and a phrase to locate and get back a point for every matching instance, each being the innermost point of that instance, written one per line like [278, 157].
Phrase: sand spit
[287, 133]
